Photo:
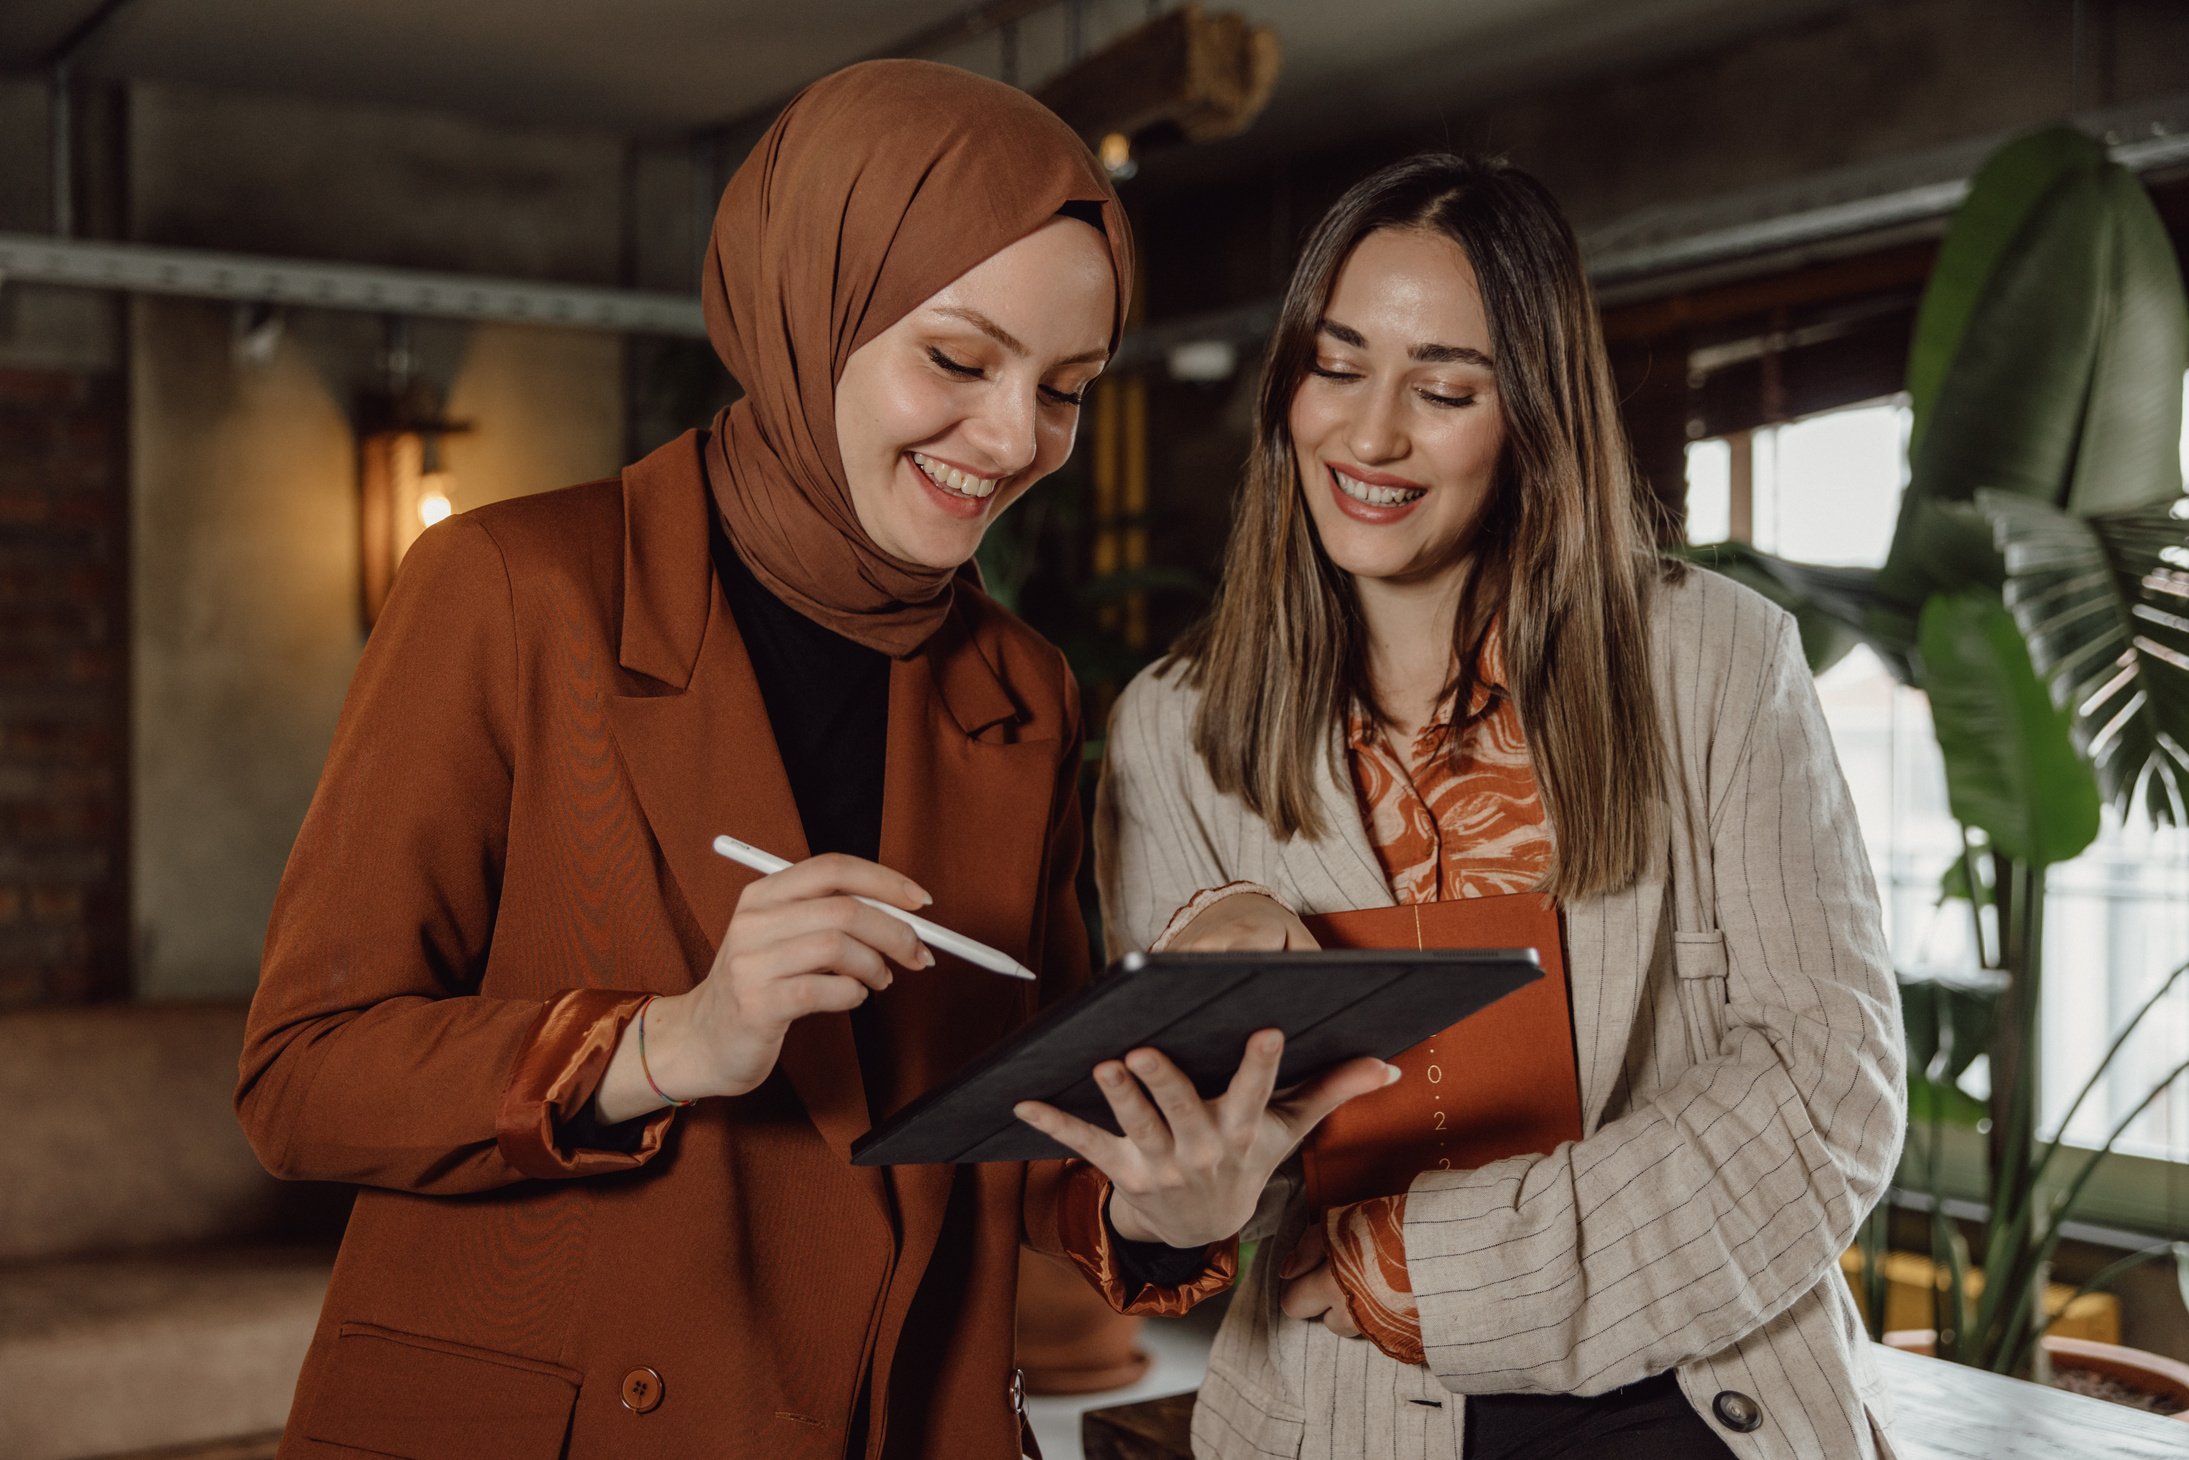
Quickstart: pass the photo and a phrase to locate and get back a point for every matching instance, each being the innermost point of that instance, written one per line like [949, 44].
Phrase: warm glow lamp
[403, 488]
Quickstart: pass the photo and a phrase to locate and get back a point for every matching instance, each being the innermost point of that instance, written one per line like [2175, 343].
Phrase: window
[1826, 489]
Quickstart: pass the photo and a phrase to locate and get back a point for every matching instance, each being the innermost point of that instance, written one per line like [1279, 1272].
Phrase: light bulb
[435, 491]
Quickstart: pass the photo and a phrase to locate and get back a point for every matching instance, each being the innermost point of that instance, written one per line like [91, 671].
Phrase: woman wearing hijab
[1446, 668]
[599, 1085]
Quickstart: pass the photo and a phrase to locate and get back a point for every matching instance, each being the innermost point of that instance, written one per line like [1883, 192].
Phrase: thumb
[1326, 1092]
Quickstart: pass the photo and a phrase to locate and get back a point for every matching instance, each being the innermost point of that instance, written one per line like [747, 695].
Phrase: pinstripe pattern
[1740, 1062]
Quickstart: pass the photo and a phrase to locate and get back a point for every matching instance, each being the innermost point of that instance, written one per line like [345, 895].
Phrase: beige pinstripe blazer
[1741, 1062]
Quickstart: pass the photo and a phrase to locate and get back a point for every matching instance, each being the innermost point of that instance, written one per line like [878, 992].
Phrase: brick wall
[64, 666]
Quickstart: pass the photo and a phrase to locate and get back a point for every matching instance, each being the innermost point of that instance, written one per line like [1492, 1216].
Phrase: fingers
[1136, 1117]
[821, 994]
[1318, 1097]
[1239, 1110]
[1312, 1290]
[1312, 1295]
[825, 952]
[1074, 1134]
[834, 874]
[1192, 1129]
[869, 926]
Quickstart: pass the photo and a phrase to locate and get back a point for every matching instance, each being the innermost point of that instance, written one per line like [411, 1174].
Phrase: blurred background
[282, 284]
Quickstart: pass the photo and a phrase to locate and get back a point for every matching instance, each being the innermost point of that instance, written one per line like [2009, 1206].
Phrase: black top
[828, 703]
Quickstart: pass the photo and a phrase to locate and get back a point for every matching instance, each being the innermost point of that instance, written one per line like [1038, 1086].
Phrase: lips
[1389, 493]
[1375, 503]
[954, 480]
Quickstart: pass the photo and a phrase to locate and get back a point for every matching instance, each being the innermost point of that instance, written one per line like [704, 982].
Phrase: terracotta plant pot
[2135, 1368]
[1069, 1340]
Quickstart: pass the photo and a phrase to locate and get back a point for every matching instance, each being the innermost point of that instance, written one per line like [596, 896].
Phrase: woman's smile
[1372, 496]
[954, 489]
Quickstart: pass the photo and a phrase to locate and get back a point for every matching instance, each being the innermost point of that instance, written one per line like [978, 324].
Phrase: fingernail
[1390, 1074]
[1024, 1112]
[921, 897]
[1272, 1041]
[927, 956]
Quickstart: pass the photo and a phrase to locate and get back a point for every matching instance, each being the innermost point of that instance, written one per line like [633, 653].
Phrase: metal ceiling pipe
[61, 148]
[136, 268]
[60, 69]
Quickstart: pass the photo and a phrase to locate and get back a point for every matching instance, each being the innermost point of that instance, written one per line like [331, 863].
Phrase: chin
[1378, 556]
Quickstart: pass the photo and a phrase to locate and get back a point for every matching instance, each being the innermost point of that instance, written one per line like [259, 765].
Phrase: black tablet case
[1198, 1008]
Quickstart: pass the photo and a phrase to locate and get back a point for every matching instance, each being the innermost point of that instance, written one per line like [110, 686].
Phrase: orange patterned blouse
[1445, 822]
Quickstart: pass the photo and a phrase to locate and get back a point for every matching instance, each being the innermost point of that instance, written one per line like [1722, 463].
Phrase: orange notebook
[1499, 1084]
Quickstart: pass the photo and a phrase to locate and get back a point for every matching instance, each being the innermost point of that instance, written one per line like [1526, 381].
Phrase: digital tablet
[1198, 1008]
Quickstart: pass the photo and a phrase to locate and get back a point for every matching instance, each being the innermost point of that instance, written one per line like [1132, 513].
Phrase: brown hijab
[875, 188]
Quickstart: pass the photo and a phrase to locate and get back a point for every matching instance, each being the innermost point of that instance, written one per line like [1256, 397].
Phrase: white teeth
[1375, 496]
[950, 479]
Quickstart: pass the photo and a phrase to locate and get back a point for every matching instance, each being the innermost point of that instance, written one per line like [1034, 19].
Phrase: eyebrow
[1008, 340]
[1427, 354]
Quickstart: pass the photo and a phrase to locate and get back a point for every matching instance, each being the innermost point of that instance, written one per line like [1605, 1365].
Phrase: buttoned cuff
[558, 1068]
[1085, 1238]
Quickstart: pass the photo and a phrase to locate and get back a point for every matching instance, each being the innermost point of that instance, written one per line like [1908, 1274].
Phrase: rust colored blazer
[509, 848]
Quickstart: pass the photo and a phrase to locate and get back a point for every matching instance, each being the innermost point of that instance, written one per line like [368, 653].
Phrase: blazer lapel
[965, 813]
[1341, 858]
[702, 756]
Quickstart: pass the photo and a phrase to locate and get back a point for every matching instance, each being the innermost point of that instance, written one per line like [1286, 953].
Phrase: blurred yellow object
[1910, 1280]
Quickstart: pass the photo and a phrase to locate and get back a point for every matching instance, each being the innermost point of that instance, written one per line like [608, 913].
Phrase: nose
[1376, 432]
[1005, 428]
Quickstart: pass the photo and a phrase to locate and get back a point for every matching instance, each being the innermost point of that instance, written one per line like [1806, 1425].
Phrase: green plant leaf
[2000, 198]
[1947, 1104]
[2011, 769]
[1830, 605]
[2129, 454]
[1950, 1019]
[2104, 604]
[2064, 386]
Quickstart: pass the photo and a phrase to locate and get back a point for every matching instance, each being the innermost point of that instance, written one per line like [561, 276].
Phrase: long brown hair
[1563, 559]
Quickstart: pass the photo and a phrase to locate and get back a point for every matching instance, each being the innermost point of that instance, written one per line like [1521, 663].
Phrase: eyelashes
[960, 370]
[1448, 402]
[954, 367]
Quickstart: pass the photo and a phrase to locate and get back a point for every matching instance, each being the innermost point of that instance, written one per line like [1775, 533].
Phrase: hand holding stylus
[801, 941]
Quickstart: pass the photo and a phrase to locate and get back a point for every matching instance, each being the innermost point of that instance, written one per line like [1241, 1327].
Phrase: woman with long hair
[1446, 662]
[599, 1085]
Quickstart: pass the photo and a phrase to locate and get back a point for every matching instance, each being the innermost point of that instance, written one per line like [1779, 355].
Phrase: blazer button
[1018, 1391]
[1737, 1412]
[641, 1390]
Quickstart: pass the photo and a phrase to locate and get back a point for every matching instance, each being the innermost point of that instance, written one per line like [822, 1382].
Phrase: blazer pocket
[420, 1398]
[1699, 960]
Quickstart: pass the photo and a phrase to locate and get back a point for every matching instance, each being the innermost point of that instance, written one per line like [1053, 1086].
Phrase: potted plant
[2037, 589]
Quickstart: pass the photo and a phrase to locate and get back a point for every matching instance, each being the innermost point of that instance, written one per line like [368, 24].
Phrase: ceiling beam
[137, 268]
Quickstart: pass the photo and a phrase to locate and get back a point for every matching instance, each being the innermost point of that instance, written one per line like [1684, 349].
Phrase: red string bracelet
[646, 1069]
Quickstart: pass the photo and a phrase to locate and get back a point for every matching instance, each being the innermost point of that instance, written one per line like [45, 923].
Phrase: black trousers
[1647, 1420]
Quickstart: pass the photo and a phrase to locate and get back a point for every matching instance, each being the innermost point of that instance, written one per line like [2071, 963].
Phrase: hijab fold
[876, 188]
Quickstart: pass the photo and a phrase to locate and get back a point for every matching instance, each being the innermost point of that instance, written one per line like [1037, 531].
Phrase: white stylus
[980, 955]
